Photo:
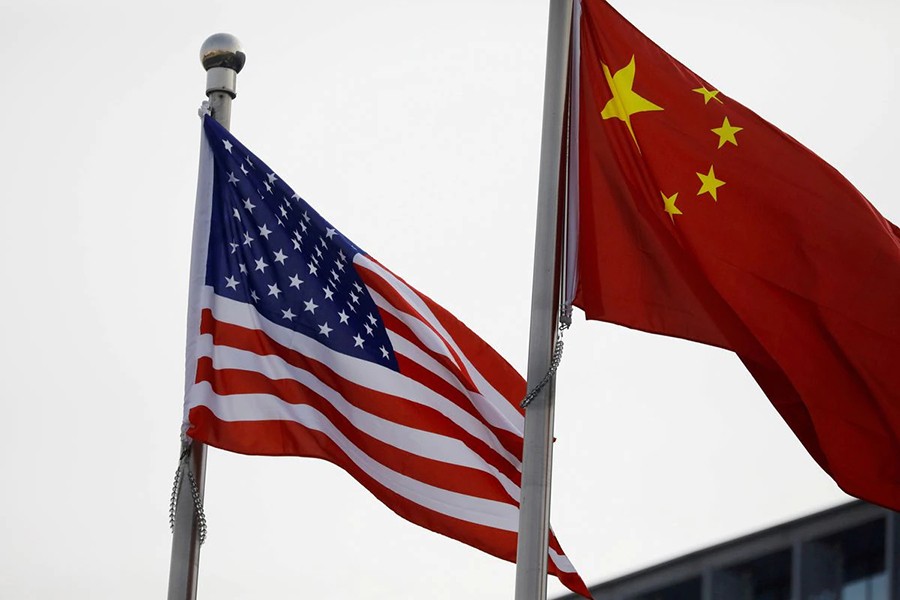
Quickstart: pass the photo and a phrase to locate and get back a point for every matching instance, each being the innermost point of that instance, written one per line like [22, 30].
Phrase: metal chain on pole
[198, 507]
[554, 364]
[183, 464]
[173, 501]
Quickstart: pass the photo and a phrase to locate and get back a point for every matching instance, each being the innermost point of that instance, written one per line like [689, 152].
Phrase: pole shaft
[220, 107]
[184, 568]
[534, 513]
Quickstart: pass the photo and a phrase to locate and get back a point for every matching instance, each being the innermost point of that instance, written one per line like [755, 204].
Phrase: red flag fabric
[301, 344]
[700, 220]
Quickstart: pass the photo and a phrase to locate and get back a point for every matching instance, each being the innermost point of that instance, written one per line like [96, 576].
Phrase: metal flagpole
[534, 513]
[223, 58]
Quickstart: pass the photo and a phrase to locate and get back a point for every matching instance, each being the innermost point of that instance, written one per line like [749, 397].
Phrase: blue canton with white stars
[269, 248]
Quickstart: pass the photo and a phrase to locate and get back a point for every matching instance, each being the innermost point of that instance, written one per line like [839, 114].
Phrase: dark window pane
[685, 590]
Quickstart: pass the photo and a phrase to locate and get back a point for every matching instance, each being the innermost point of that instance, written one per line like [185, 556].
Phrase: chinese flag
[700, 220]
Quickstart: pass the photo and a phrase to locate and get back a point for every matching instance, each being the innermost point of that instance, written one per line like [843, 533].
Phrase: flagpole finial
[223, 58]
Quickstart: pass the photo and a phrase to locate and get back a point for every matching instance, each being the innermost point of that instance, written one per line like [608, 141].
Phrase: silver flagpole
[534, 513]
[223, 58]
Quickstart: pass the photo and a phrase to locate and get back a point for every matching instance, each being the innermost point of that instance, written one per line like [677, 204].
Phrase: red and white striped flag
[301, 344]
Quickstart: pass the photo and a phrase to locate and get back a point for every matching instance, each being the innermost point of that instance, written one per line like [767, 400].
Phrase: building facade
[850, 552]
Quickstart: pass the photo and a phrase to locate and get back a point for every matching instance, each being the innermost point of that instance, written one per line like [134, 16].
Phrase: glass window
[685, 590]
[861, 555]
[870, 587]
[765, 578]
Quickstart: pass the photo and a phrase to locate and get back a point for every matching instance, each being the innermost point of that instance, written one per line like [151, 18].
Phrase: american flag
[302, 344]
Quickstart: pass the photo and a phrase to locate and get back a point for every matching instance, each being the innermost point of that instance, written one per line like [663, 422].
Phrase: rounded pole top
[222, 50]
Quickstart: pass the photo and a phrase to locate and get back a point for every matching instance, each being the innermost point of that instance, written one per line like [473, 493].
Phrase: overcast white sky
[414, 127]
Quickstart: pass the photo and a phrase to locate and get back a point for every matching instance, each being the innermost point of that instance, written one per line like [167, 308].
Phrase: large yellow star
[625, 102]
[726, 133]
[708, 94]
[709, 183]
[670, 207]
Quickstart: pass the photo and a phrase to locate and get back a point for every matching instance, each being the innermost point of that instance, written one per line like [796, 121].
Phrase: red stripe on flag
[505, 379]
[389, 293]
[387, 406]
[267, 437]
[460, 479]
[398, 327]
[511, 442]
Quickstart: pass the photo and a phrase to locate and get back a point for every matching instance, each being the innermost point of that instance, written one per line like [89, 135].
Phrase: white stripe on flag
[258, 407]
[509, 418]
[359, 372]
[416, 441]
[561, 561]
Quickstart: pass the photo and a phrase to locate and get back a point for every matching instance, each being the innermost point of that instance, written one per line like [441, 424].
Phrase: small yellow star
[726, 133]
[708, 94]
[710, 183]
[625, 102]
[670, 207]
